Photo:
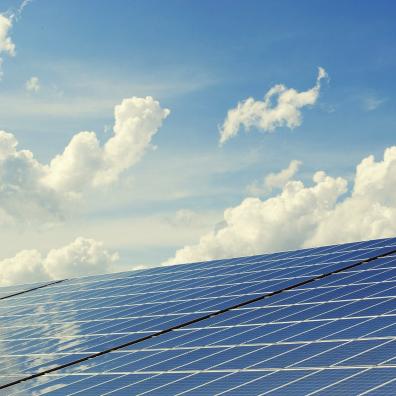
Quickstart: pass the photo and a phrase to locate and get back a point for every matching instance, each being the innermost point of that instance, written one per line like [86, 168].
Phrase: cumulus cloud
[281, 107]
[6, 45]
[23, 195]
[30, 189]
[303, 216]
[370, 210]
[85, 162]
[24, 267]
[260, 225]
[80, 258]
[274, 180]
[33, 84]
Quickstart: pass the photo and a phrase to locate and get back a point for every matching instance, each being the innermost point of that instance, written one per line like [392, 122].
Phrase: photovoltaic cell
[321, 337]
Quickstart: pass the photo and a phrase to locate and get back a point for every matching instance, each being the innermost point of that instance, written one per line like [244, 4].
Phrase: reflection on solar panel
[314, 321]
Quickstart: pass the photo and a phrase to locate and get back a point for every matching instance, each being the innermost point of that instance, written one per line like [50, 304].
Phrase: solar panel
[12, 291]
[316, 320]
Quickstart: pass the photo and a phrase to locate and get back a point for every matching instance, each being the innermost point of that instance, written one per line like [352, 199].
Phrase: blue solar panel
[12, 291]
[310, 329]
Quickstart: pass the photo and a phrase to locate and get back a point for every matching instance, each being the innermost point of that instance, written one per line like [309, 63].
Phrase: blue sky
[199, 59]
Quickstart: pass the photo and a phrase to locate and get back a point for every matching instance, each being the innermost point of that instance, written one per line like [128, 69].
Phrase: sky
[141, 133]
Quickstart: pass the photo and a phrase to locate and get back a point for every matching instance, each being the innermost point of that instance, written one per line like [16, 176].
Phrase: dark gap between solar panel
[32, 289]
[208, 316]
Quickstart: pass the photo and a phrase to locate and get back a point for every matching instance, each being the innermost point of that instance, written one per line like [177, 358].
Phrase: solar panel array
[313, 321]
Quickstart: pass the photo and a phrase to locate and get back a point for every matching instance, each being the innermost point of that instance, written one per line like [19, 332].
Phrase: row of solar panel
[326, 342]
[44, 323]
[67, 293]
[67, 322]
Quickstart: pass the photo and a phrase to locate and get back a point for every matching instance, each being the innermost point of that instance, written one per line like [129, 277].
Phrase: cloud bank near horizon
[303, 216]
[82, 257]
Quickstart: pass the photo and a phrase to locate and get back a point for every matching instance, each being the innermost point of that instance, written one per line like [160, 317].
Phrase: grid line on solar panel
[383, 385]
[342, 269]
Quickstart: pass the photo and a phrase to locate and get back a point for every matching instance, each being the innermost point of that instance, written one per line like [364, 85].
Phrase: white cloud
[260, 225]
[85, 163]
[22, 6]
[6, 44]
[80, 258]
[30, 189]
[302, 216]
[370, 211]
[33, 84]
[275, 180]
[267, 115]
[23, 196]
[24, 267]
[372, 102]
